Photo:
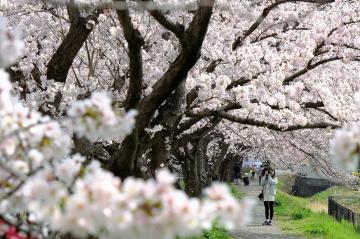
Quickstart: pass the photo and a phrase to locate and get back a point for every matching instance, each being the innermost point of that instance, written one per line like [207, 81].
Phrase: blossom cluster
[10, 45]
[27, 138]
[95, 119]
[102, 205]
[159, 4]
[345, 147]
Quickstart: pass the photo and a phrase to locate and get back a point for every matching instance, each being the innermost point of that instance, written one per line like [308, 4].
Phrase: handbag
[261, 195]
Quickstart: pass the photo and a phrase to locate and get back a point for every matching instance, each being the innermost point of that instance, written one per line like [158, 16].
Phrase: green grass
[182, 184]
[235, 192]
[343, 195]
[334, 191]
[295, 216]
[319, 202]
[215, 233]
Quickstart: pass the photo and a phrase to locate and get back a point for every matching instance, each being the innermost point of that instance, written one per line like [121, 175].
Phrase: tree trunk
[193, 185]
[60, 63]
[191, 43]
[219, 160]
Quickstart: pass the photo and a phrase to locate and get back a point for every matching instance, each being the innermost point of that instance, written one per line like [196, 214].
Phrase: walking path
[255, 230]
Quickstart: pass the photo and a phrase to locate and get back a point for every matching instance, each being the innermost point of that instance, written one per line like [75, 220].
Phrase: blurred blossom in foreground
[345, 147]
[11, 47]
[101, 205]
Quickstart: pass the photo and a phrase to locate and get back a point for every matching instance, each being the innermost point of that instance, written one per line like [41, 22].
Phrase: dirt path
[255, 230]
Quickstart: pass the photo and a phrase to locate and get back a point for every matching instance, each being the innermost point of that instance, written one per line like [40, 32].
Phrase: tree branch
[123, 161]
[177, 28]
[60, 63]
[177, 72]
[258, 123]
[135, 42]
[239, 40]
[303, 71]
[240, 82]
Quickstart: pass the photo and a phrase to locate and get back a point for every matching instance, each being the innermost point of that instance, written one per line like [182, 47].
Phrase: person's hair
[272, 170]
[263, 172]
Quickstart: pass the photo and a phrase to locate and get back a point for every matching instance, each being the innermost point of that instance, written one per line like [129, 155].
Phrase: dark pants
[269, 209]
[259, 180]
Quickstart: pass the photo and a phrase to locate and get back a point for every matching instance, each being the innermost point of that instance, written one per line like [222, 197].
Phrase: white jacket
[269, 187]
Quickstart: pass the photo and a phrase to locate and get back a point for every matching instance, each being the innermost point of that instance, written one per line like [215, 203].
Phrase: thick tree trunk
[128, 151]
[191, 172]
[60, 63]
[168, 117]
[191, 43]
[219, 160]
[90, 150]
[192, 184]
[159, 152]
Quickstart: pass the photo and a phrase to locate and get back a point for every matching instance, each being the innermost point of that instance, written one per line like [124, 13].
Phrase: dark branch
[187, 125]
[303, 71]
[258, 123]
[135, 42]
[240, 82]
[177, 29]
[177, 72]
[60, 63]
[239, 40]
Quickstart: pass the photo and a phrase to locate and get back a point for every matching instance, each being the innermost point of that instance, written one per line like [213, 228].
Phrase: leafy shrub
[300, 214]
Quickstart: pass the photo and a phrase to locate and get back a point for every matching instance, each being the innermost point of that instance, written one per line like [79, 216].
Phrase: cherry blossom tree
[47, 189]
[209, 80]
[274, 30]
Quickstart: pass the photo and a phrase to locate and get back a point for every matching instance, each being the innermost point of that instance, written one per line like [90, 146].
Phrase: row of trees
[192, 73]
[211, 81]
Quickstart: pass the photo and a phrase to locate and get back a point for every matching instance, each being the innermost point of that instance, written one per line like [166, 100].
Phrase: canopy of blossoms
[267, 78]
[44, 187]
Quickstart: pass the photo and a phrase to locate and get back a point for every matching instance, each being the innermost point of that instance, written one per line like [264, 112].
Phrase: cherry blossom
[345, 148]
[64, 193]
[95, 119]
[269, 80]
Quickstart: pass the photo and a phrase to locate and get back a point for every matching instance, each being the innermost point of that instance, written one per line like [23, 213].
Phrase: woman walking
[268, 181]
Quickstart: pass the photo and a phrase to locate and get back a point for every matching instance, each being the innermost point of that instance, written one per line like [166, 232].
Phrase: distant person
[268, 181]
[253, 174]
[237, 173]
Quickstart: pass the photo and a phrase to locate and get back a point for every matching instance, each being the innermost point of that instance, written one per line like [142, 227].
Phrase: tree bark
[192, 182]
[60, 63]
[219, 160]
[191, 43]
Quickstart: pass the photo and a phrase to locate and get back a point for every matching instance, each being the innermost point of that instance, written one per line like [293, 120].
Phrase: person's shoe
[265, 223]
[269, 223]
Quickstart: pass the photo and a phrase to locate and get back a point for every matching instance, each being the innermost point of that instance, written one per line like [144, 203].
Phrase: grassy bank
[319, 202]
[345, 196]
[308, 216]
